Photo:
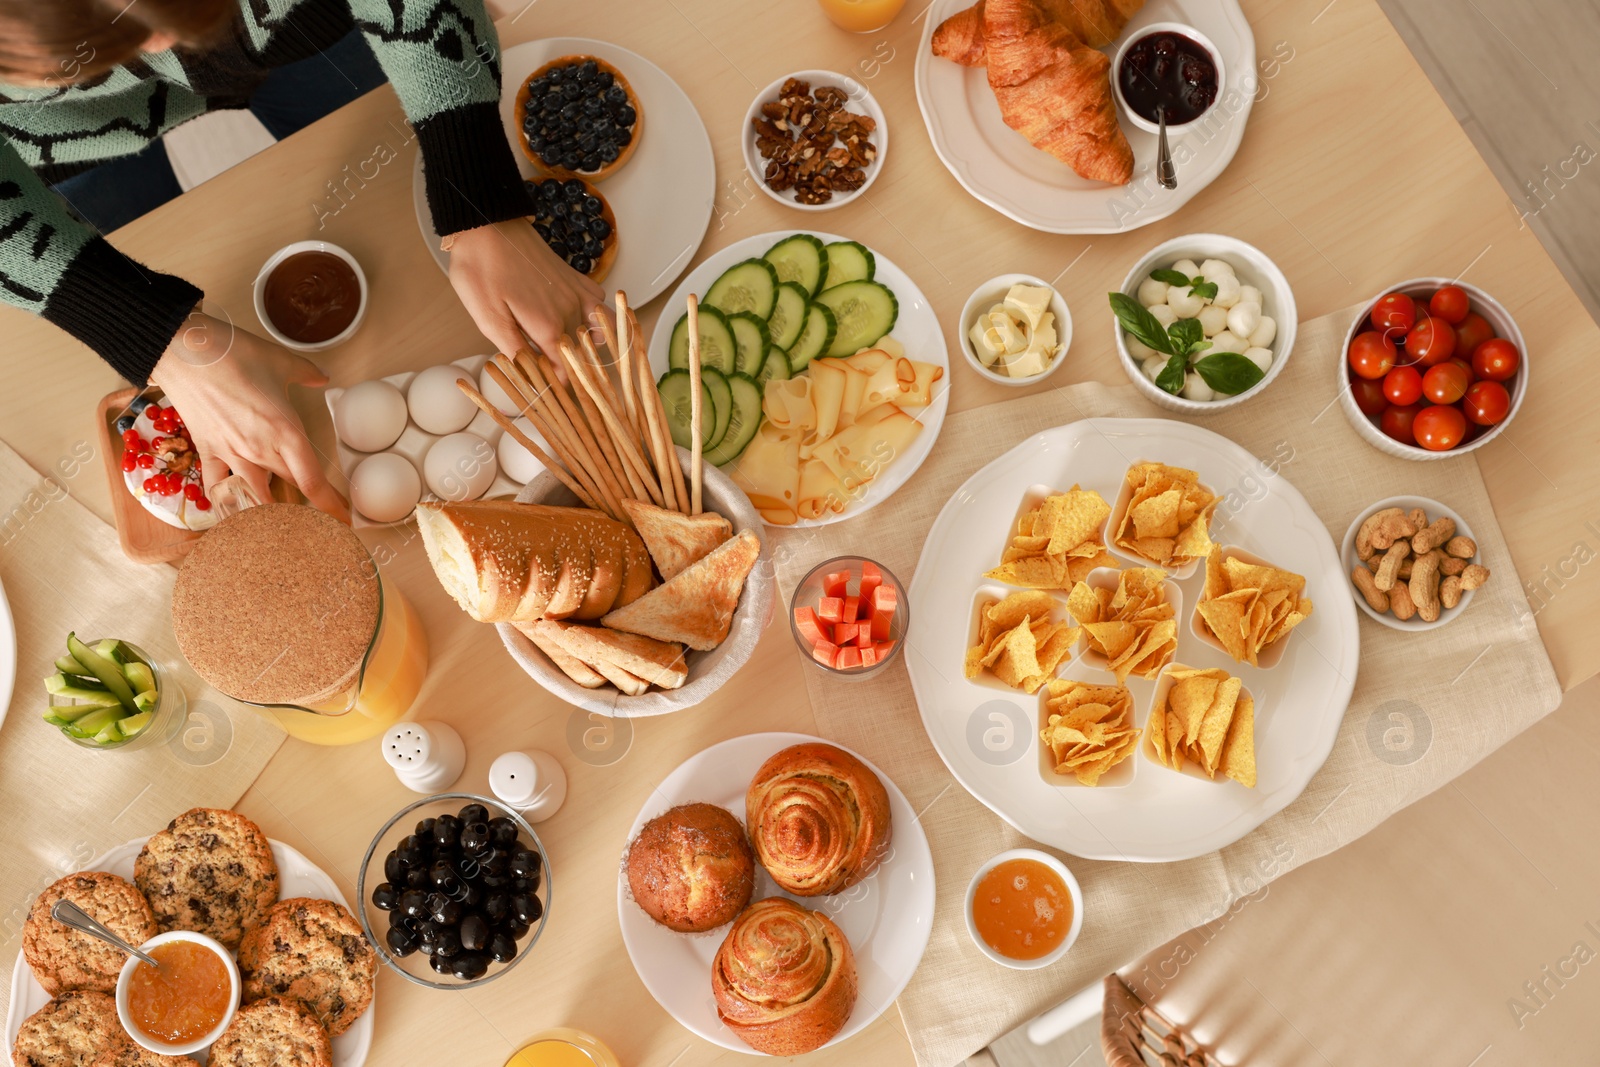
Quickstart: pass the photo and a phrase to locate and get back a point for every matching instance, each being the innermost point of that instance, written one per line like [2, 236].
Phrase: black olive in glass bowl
[384, 897]
[474, 933]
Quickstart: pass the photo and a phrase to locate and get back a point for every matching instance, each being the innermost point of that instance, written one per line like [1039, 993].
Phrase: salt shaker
[426, 756]
[532, 783]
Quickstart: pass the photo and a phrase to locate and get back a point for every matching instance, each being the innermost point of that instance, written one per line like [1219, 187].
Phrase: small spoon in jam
[1166, 173]
[67, 913]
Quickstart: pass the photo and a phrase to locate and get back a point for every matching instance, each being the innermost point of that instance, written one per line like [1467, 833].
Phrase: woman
[83, 82]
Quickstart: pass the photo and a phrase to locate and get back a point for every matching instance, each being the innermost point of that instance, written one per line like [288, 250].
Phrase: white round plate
[917, 328]
[662, 196]
[988, 733]
[997, 165]
[8, 655]
[297, 877]
[886, 918]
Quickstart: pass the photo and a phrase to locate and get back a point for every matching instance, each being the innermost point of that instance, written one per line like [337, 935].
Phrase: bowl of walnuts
[814, 140]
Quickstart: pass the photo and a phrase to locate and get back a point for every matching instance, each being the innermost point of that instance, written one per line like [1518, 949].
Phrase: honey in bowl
[186, 999]
[1022, 909]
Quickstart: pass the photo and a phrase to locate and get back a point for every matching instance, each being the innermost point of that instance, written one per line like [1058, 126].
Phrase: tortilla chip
[1207, 718]
[1089, 728]
[1057, 542]
[1168, 517]
[1134, 625]
[1239, 749]
[1249, 606]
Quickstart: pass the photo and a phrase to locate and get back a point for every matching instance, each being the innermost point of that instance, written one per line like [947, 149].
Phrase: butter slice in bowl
[1015, 329]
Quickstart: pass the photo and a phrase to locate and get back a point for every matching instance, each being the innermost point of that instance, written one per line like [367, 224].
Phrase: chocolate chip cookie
[210, 871]
[71, 1031]
[314, 951]
[136, 1056]
[61, 958]
[275, 1032]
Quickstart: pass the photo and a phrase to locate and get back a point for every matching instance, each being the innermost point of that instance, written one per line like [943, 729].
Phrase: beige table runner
[61, 805]
[1426, 707]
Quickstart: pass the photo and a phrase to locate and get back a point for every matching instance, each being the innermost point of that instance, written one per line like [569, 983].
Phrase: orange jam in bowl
[186, 999]
[1022, 909]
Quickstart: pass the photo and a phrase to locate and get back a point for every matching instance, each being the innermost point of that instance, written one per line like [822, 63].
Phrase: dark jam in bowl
[312, 297]
[1168, 70]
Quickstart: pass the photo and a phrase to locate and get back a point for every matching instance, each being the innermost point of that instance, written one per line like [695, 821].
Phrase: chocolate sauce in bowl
[312, 296]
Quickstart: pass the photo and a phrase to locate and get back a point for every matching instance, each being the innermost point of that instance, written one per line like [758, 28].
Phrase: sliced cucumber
[61, 714]
[865, 312]
[800, 258]
[718, 349]
[788, 316]
[134, 724]
[145, 701]
[94, 722]
[110, 735]
[748, 286]
[750, 334]
[744, 420]
[849, 262]
[674, 388]
[68, 665]
[112, 650]
[776, 368]
[721, 404]
[109, 673]
[814, 339]
[140, 677]
[60, 685]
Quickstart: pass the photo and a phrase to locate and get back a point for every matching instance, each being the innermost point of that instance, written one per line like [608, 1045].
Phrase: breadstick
[526, 442]
[593, 402]
[622, 347]
[695, 469]
[533, 407]
[542, 372]
[593, 379]
[557, 427]
[655, 435]
[650, 396]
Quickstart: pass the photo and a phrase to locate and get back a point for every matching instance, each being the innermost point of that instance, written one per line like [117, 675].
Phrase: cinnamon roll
[690, 868]
[784, 979]
[818, 817]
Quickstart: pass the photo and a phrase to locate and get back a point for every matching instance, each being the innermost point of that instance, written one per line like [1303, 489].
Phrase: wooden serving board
[145, 538]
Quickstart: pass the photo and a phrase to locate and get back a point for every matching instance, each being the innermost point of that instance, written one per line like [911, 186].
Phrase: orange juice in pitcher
[861, 16]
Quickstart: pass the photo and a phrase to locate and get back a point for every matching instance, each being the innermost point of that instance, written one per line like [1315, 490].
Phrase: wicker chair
[1133, 1034]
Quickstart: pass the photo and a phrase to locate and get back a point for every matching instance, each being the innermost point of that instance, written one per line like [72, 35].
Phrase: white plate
[662, 197]
[297, 877]
[999, 167]
[988, 734]
[917, 328]
[8, 655]
[886, 918]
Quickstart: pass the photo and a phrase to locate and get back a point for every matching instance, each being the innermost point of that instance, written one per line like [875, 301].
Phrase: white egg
[1213, 320]
[497, 396]
[1153, 366]
[436, 404]
[459, 466]
[1183, 302]
[516, 461]
[1264, 333]
[1186, 267]
[1137, 348]
[1215, 269]
[1249, 294]
[370, 417]
[1163, 314]
[1228, 290]
[1261, 357]
[1226, 341]
[1152, 291]
[385, 487]
[1195, 388]
[1244, 317]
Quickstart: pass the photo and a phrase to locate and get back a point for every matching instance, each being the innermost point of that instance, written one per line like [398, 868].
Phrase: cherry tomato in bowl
[1439, 427]
[1394, 314]
[1403, 385]
[1446, 383]
[1372, 355]
[1368, 393]
[1472, 332]
[1431, 341]
[1450, 304]
[1397, 422]
[1486, 403]
[1496, 360]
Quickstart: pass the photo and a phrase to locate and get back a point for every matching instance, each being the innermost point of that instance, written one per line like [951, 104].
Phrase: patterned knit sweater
[442, 56]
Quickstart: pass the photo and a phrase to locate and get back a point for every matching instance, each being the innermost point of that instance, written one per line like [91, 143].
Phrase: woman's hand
[231, 387]
[513, 285]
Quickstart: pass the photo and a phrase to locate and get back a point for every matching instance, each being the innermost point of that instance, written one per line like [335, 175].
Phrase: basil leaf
[1229, 372]
[1199, 347]
[1204, 290]
[1173, 374]
[1171, 277]
[1144, 327]
[1185, 334]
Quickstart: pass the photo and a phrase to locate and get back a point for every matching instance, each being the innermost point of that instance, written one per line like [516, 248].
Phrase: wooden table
[1352, 176]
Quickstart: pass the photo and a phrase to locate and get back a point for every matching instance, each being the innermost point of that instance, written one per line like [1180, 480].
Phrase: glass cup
[861, 16]
[170, 713]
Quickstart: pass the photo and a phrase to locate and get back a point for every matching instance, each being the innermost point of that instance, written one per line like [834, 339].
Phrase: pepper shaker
[532, 783]
[426, 756]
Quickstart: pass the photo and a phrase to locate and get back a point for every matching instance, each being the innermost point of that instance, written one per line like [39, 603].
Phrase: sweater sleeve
[55, 266]
[443, 58]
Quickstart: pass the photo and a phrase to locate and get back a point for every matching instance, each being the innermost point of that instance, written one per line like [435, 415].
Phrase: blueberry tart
[577, 117]
[576, 222]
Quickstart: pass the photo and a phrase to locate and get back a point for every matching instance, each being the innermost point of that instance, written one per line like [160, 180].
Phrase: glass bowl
[416, 965]
[809, 592]
[169, 714]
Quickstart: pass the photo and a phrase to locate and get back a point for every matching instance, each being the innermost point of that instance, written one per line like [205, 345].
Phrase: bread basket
[708, 671]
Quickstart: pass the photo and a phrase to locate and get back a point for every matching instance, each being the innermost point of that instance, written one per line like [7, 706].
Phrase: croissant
[784, 978]
[960, 38]
[1054, 89]
[818, 817]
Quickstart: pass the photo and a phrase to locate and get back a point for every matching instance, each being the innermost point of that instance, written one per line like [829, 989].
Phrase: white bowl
[1252, 267]
[1072, 888]
[1347, 554]
[993, 292]
[1178, 130]
[861, 102]
[1485, 305]
[126, 977]
[707, 670]
[260, 295]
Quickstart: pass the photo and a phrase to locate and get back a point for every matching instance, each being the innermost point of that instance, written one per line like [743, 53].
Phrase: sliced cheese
[769, 469]
[856, 455]
[1030, 303]
[788, 403]
[868, 360]
[919, 392]
[890, 347]
[822, 492]
[827, 395]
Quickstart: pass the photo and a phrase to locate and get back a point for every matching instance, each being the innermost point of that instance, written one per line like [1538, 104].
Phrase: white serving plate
[917, 328]
[8, 655]
[998, 166]
[886, 918]
[297, 877]
[662, 197]
[414, 442]
[988, 734]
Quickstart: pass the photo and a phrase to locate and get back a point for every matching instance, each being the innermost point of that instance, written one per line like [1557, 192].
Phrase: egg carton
[414, 442]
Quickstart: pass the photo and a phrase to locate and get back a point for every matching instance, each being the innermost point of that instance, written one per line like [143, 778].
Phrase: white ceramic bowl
[260, 295]
[1252, 267]
[1485, 305]
[1347, 554]
[861, 102]
[707, 670]
[125, 978]
[1173, 131]
[993, 292]
[1072, 887]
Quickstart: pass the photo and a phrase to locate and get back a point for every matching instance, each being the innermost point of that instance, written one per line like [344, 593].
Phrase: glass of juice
[861, 16]
[280, 606]
[563, 1047]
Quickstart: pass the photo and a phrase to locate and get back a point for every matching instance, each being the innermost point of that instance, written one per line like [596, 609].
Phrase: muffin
[691, 869]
